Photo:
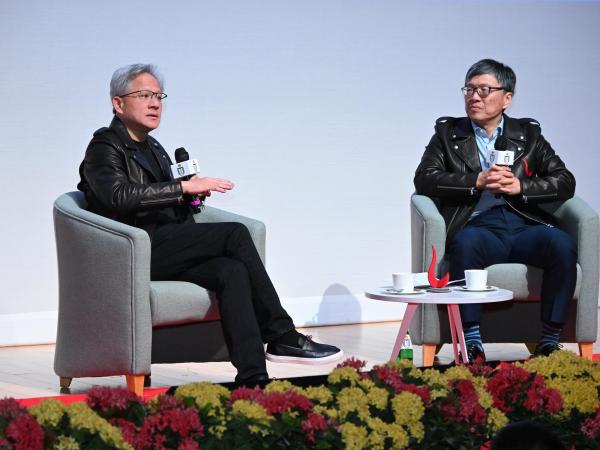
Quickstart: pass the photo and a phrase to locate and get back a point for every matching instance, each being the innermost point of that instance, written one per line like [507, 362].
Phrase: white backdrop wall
[318, 110]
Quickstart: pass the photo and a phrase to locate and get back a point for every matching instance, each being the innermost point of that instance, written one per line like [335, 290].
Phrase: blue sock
[472, 335]
[550, 334]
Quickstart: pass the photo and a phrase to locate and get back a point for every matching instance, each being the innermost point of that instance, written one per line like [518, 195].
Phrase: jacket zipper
[528, 216]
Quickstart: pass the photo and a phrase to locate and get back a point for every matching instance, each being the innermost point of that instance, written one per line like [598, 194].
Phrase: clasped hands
[499, 180]
[205, 185]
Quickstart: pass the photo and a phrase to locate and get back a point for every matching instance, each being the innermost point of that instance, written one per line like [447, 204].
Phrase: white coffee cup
[403, 281]
[476, 279]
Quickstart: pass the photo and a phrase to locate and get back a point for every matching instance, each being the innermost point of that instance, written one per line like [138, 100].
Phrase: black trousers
[502, 236]
[222, 257]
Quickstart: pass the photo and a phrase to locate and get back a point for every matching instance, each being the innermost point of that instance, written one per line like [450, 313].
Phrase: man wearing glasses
[125, 176]
[491, 211]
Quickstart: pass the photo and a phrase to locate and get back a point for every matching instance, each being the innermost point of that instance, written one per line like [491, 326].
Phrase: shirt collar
[482, 133]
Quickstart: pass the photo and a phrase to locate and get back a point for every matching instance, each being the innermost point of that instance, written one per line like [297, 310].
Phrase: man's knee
[232, 271]
[562, 245]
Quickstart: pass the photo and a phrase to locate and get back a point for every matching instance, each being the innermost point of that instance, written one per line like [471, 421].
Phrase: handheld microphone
[500, 155]
[185, 169]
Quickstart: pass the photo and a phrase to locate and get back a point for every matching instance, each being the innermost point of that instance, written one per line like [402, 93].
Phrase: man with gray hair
[126, 176]
[491, 211]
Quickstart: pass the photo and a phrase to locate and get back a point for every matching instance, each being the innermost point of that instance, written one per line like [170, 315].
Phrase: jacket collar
[119, 127]
[463, 130]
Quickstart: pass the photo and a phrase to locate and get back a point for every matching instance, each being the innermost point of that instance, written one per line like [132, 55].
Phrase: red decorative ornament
[433, 280]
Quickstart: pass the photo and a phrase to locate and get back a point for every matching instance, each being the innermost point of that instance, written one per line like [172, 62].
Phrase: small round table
[452, 299]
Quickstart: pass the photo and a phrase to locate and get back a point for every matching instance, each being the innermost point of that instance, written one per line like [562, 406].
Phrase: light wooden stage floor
[28, 371]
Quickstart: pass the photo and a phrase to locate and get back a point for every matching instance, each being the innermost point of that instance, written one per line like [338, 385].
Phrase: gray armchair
[112, 320]
[519, 320]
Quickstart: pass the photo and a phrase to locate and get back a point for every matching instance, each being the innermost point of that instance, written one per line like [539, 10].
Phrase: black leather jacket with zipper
[450, 165]
[120, 183]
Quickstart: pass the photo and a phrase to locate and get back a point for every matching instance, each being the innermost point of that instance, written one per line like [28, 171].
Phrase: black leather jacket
[450, 165]
[119, 182]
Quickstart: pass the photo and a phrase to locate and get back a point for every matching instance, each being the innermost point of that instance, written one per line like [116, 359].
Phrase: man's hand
[499, 180]
[206, 185]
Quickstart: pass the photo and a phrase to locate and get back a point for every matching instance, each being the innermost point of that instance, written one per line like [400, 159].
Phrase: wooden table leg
[406, 320]
[453, 333]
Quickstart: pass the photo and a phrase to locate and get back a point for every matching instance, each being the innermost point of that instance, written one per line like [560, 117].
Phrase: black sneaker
[474, 353]
[547, 349]
[260, 379]
[306, 351]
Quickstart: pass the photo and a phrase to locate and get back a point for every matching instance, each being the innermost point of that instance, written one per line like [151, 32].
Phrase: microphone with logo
[184, 170]
[500, 155]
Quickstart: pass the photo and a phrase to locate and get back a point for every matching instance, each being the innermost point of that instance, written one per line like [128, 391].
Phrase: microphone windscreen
[501, 143]
[181, 155]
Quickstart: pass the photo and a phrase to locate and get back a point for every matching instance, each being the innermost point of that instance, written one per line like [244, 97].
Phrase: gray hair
[120, 83]
[504, 74]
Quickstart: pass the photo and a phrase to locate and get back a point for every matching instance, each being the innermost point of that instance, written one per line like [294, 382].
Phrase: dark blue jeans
[501, 236]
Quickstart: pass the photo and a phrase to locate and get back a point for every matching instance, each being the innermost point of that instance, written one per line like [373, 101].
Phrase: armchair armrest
[427, 228]
[256, 228]
[104, 323]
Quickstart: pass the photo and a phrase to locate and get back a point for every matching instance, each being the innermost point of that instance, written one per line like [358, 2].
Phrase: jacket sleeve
[108, 177]
[434, 178]
[551, 181]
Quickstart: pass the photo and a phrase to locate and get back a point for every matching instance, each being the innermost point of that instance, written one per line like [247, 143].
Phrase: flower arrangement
[392, 406]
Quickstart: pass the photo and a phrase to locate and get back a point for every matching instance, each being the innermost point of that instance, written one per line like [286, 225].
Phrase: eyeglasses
[482, 91]
[146, 95]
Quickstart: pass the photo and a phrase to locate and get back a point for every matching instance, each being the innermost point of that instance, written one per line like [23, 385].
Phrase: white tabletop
[456, 296]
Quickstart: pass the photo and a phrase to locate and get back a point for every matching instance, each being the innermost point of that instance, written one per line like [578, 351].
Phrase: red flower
[393, 378]
[513, 387]
[462, 405]
[10, 408]
[181, 424]
[102, 398]
[273, 402]
[591, 426]
[25, 432]
[314, 422]
[352, 362]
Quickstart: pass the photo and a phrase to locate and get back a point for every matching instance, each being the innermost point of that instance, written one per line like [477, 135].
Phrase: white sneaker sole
[309, 361]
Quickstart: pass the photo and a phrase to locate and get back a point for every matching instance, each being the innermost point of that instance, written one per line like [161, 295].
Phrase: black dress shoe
[259, 379]
[474, 353]
[306, 351]
[546, 350]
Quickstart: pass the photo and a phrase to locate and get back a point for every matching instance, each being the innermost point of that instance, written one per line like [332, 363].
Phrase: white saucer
[486, 289]
[396, 292]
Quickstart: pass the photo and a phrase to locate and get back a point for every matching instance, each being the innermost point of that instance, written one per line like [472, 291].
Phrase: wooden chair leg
[428, 354]
[65, 382]
[586, 349]
[135, 383]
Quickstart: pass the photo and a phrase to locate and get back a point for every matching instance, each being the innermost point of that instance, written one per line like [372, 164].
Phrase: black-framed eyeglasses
[482, 91]
[146, 95]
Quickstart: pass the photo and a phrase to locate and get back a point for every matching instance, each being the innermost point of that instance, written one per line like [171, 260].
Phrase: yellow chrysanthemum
[577, 394]
[353, 436]
[48, 412]
[378, 397]
[343, 374]
[84, 418]
[458, 373]
[496, 419]
[408, 411]
[332, 413]
[206, 394]
[281, 386]
[353, 399]
[255, 413]
[319, 394]
[380, 430]
[66, 443]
